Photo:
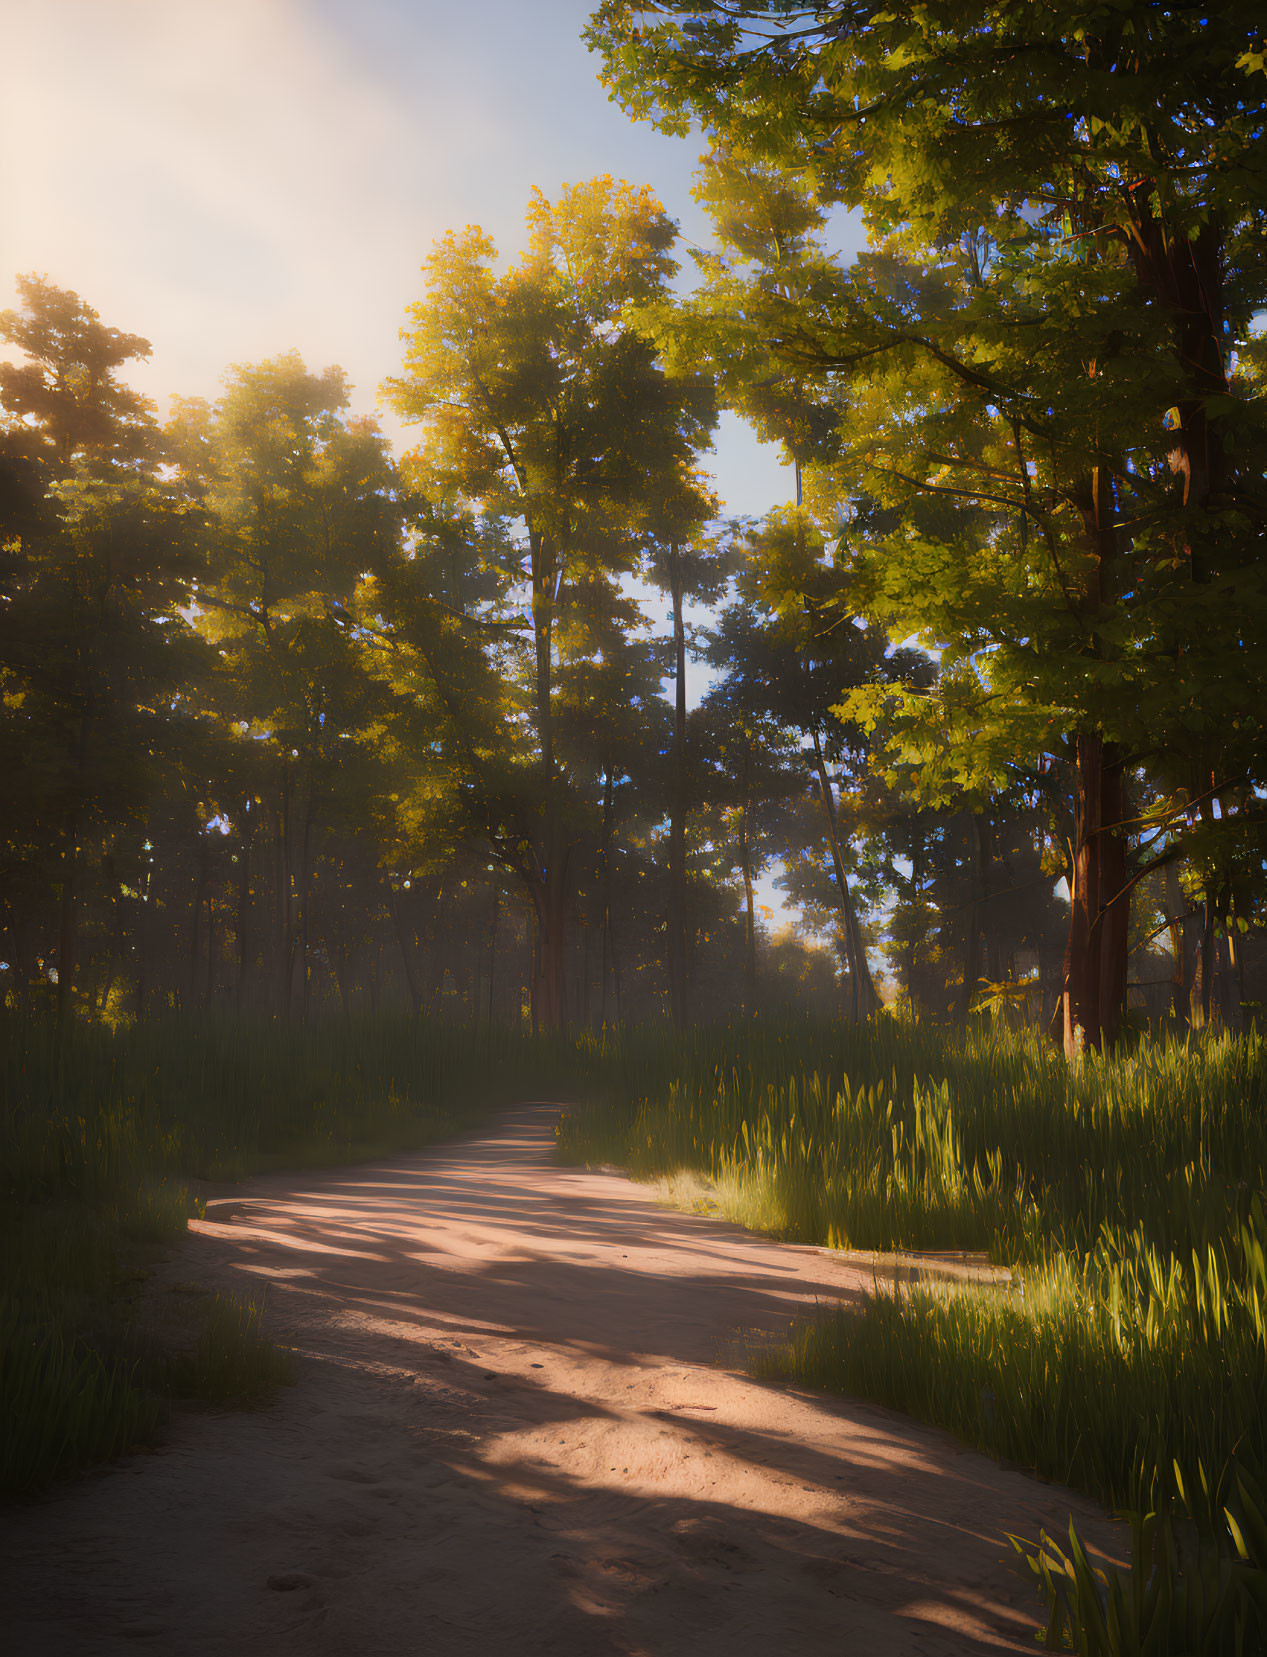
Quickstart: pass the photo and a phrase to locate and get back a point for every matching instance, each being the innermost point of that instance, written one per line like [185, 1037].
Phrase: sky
[233, 180]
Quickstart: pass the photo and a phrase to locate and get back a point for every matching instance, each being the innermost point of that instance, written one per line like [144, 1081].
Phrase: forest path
[516, 1430]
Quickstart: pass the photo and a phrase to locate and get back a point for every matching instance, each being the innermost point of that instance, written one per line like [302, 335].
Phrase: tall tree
[300, 500]
[91, 647]
[687, 565]
[790, 646]
[541, 406]
[1034, 368]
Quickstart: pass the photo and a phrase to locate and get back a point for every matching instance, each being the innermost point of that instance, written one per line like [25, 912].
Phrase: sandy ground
[519, 1429]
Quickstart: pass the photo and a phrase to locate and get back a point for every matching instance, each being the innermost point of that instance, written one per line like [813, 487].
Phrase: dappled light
[528, 1369]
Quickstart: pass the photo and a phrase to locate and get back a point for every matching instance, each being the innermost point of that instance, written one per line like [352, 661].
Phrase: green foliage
[541, 404]
[1030, 407]
[1097, 1371]
[63, 1405]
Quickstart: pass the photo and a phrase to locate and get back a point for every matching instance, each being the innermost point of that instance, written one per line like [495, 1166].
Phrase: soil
[521, 1425]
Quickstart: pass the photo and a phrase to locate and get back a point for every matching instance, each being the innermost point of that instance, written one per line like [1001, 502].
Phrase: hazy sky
[236, 178]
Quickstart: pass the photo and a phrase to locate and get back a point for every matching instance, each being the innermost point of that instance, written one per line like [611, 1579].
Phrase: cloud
[239, 178]
[224, 179]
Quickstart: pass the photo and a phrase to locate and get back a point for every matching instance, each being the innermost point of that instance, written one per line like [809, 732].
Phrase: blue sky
[237, 179]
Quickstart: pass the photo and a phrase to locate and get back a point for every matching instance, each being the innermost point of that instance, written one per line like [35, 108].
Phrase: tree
[1033, 370]
[96, 560]
[541, 407]
[686, 564]
[753, 769]
[300, 500]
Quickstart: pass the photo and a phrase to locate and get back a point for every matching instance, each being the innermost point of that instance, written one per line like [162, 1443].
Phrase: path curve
[516, 1429]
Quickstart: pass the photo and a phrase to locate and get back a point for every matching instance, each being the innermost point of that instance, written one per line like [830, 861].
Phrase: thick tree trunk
[1187, 275]
[1096, 951]
[676, 918]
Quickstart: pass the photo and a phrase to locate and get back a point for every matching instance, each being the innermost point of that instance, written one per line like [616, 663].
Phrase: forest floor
[521, 1426]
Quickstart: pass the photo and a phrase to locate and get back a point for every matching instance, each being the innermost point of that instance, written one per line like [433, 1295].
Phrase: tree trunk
[912, 952]
[750, 921]
[305, 902]
[1185, 945]
[1186, 275]
[492, 953]
[979, 853]
[195, 929]
[1227, 978]
[282, 861]
[862, 993]
[67, 927]
[549, 887]
[549, 896]
[339, 965]
[1096, 950]
[406, 952]
[676, 919]
[244, 901]
[583, 988]
[607, 891]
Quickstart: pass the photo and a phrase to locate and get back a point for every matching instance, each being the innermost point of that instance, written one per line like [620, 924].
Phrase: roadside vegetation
[1126, 1193]
[105, 1139]
[1129, 1357]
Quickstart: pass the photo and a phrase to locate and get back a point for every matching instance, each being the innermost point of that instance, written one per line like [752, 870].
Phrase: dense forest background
[292, 725]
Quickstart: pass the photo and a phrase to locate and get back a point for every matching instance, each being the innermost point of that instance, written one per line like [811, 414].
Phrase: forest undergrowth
[1129, 1358]
[106, 1137]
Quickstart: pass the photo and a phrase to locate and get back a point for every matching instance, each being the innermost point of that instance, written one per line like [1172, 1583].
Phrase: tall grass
[1127, 1194]
[104, 1136]
[886, 1136]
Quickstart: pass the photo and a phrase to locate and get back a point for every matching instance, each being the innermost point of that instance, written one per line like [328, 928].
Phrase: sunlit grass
[1126, 1193]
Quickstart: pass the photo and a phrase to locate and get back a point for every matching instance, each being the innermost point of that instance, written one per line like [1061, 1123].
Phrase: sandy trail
[515, 1431]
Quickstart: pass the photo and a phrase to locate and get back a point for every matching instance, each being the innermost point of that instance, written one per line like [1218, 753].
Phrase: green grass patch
[231, 1362]
[104, 1136]
[1127, 1194]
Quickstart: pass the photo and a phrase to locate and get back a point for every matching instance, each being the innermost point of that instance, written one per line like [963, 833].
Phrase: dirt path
[511, 1435]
